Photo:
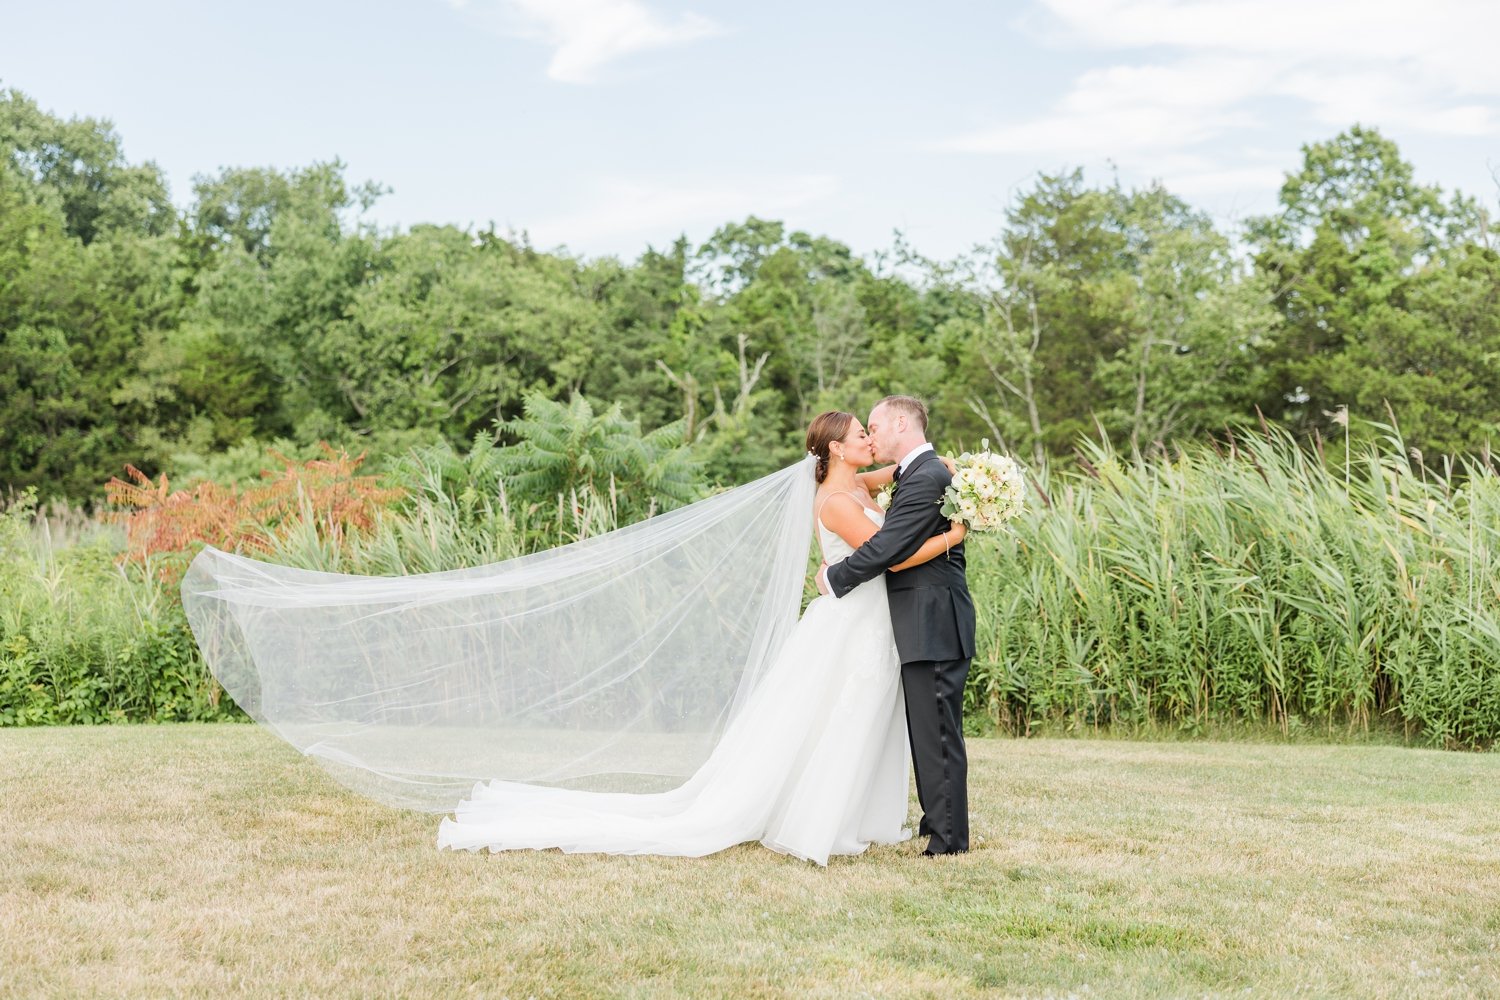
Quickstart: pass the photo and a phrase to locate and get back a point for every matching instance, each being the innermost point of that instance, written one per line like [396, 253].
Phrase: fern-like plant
[566, 448]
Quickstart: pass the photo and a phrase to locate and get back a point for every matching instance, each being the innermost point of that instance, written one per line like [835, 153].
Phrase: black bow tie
[896, 474]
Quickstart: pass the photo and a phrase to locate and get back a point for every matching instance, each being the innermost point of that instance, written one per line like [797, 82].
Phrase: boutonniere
[885, 496]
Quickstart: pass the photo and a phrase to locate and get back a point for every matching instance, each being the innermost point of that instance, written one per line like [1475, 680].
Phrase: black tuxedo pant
[934, 691]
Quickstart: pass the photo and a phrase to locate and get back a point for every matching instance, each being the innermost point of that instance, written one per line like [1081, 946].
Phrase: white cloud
[1212, 181]
[1121, 109]
[1449, 40]
[1209, 70]
[626, 213]
[587, 35]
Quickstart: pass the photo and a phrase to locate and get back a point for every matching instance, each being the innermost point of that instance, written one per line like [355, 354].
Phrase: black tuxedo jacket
[932, 613]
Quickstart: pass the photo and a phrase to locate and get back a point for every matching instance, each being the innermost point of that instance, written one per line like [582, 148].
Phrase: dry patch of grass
[211, 860]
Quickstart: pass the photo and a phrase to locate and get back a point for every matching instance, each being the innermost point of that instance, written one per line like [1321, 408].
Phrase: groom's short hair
[909, 405]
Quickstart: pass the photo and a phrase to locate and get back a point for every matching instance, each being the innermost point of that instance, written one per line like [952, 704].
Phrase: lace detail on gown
[814, 764]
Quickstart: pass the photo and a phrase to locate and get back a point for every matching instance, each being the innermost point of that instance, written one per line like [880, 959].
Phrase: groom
[931, 614]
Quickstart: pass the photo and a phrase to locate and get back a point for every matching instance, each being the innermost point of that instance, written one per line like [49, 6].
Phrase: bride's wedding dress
[813, 764]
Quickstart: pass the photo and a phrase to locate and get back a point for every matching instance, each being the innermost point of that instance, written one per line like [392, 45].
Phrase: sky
[607, 126]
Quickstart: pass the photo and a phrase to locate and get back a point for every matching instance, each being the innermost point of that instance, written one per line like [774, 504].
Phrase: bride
[649, 691]
[814, 762]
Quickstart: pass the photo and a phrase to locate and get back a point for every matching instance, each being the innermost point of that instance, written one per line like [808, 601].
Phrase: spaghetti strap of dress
[818, 515]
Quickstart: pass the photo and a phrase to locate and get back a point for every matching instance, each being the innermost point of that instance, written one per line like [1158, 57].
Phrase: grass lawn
[211, 860]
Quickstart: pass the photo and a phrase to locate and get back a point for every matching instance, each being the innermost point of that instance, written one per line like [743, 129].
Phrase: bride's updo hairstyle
[825, 429]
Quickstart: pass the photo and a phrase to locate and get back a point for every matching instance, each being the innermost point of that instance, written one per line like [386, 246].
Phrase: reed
[1247, 583]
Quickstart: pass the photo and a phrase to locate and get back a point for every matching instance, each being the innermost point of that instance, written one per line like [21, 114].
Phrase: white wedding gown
[814, 764]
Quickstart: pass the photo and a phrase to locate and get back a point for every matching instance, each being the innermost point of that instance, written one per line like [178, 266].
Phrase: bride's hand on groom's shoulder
[949, 464]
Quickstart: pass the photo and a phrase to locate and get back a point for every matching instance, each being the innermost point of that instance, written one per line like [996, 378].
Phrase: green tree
[1055, 305]
[73, 322]
[456, 329]
[1375, 274]
[1434, 359]
[776, 298]
[1196, 325]
[636, 362]
[79, 166]
[273, 299]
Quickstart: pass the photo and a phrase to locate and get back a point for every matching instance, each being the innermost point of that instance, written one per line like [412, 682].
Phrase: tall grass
[1250, 583]
[87, 636]
[84, 639]
[457, 511]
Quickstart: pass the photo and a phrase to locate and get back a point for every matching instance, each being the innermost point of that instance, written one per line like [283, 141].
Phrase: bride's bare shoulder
[825, 494]
[834, 506]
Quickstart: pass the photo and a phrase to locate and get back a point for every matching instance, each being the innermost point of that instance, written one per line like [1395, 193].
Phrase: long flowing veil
[613, 663]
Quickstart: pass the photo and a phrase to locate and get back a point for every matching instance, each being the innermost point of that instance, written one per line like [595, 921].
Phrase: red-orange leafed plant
[159, 522]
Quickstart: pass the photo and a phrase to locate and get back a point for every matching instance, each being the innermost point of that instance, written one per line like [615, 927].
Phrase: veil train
[614, 663]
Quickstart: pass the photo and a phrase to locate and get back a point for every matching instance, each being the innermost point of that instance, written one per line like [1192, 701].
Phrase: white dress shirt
[911, 456]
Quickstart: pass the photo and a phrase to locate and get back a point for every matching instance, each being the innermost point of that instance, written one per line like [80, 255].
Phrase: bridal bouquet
[987, 490]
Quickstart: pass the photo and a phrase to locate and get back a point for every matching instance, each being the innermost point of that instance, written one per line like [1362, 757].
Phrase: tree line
[272, 310]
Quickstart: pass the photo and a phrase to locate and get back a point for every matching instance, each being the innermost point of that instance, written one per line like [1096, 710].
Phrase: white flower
[987, 490]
